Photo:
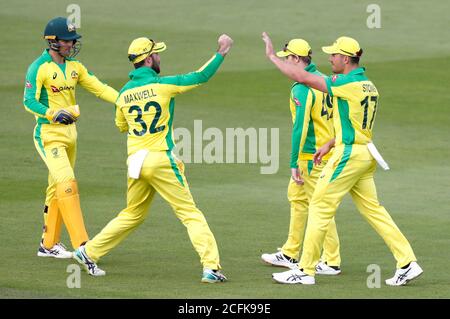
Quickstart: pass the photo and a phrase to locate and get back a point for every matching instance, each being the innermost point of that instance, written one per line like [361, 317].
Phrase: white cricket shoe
[323, 269]
[90, 266]
[280, 260]
[403, 276]
[293, 276]
[213, 276]
[57, 251]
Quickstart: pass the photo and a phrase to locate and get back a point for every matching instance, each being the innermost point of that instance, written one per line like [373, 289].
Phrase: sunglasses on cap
[285, 49]
[132, 57]
[358, 54]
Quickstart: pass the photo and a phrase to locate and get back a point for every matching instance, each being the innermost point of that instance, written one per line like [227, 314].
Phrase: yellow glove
[65, 116]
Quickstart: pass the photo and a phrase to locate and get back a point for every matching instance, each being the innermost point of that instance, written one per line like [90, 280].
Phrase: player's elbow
[203, 77]
[32, 106]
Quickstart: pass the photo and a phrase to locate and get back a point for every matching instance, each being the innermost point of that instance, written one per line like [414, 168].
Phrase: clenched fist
[225, 44]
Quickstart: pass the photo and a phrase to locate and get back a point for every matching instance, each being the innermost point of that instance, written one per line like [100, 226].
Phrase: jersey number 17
[365, 105]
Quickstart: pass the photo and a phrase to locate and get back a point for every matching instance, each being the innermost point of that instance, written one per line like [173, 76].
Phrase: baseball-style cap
[295, 47]
[345, 46]
[141, 48]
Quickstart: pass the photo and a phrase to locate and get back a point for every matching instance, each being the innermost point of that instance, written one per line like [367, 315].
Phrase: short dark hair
[306, 59]
[354, 59]
[139, 64]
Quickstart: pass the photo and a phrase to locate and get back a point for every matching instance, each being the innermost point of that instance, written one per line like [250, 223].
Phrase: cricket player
[312, 128]
[145, 109]
[352, 166]
[50, 86]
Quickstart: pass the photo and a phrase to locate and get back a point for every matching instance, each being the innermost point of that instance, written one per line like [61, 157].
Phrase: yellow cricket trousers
[164, 174]
[350, 169]
[299, 197]
[57, 146]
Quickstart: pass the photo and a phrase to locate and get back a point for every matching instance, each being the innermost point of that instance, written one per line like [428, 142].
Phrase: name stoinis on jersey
[139, 96]
[356, 99]
[369, 88]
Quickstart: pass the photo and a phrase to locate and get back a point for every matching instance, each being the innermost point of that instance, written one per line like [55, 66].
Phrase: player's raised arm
[292, 71]
[186, 82]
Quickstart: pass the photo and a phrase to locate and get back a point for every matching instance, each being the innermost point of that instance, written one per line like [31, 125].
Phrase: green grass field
[408, 59]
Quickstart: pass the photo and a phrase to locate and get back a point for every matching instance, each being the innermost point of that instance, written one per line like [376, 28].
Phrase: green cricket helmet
[61, 29]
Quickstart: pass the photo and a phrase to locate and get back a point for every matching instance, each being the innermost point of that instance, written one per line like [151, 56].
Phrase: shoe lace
[61, 245]
[53, 251]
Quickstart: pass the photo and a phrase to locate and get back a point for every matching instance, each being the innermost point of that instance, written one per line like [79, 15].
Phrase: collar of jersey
[359, 70]
[48, 58]
[142, 72]
[311, 67]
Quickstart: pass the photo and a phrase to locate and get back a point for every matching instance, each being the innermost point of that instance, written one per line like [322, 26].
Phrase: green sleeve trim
[35, 106]
[42, 120]
[29, 99]
[300, 96]
[197, 77]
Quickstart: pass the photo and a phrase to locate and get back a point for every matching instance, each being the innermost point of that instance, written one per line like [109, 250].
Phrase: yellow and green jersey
[311, 114]
[145, 107]
[52, 85]
[355, 106]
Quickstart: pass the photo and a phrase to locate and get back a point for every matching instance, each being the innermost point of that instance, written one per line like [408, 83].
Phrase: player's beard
[156, 67]
[64, 53]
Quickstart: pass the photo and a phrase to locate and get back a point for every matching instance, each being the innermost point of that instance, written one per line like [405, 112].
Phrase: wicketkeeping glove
[64, 116]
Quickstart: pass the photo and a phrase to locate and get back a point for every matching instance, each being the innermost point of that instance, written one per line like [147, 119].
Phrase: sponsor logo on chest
[62, 88]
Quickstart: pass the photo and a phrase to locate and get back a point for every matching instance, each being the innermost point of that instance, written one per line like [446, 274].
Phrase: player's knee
[191, 217]
[66, 189]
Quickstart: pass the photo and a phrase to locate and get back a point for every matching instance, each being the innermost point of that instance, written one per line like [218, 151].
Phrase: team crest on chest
[74, 75]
